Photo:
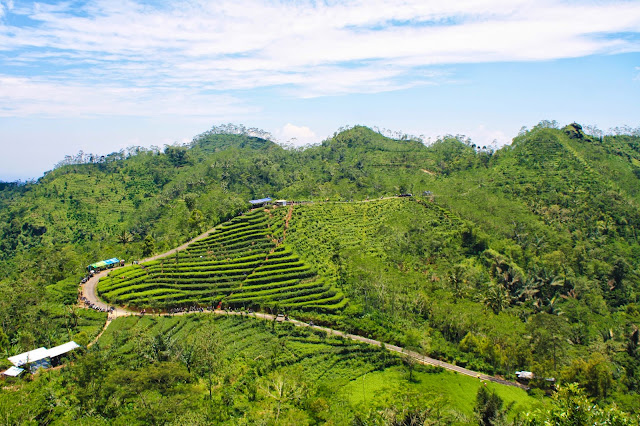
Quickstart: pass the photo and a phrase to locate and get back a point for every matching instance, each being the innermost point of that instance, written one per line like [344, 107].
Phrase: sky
[102, 75]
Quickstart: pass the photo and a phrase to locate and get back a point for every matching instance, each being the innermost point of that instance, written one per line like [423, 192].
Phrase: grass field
[455, 390]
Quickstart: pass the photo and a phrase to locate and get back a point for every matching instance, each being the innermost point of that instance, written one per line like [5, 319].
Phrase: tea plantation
[208, 369]
[524, 258]
[243, 263]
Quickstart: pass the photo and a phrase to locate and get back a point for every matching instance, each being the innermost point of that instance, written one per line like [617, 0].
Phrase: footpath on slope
[89, 291]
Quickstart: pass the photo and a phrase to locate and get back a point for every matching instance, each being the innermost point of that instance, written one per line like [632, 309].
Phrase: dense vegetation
[523, 258]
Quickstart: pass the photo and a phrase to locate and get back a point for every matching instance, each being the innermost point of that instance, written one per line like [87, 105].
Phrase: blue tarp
[260, 201]
[104, 263]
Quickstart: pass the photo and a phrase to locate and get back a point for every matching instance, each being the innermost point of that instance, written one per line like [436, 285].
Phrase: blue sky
[102, 75]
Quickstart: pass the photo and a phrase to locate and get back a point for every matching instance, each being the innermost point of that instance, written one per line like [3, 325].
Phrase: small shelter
[37, 358]
[260, 202]
[58, 351]
[280, 203]
[104, 264]
[524, 376]
[40, 358]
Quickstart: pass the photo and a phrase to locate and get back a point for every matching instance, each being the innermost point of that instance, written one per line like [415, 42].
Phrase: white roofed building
[63, 349]
[29, 357]
[13, 371]
[40, 358]
[58, 351]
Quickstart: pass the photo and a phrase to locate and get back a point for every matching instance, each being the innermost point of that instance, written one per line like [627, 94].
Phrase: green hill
[522, 258]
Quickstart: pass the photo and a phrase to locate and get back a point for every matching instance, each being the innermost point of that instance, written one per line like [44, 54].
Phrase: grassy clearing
[458, 390]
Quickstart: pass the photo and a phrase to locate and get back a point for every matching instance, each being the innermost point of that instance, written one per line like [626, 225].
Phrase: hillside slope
[523, 258]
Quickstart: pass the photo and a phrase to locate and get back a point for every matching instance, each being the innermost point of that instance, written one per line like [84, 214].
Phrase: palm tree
[529, 289]
[124, 237]
[548, 283]
[497, 297]
[552, 307]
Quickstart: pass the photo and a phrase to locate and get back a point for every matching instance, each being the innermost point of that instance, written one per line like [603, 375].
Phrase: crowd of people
[185, 309]
[91, 305]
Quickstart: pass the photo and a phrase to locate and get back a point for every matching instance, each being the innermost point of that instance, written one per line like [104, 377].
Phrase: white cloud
[296, 135]
[483, 136]
[21, 96]
[184, 49]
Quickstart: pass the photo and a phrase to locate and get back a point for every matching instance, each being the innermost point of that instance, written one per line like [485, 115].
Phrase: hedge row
[242, 293]
[225, 234]
[111, 283]
[231, 236]
[145, 294]
[231, 251]
[283, 296]
[258, 275]
[220, 249]
[269, 285]
[292, 264]
[222, 287]
[336, 299]
[314, 295]
[281, 277]
[213, 264]
[199, 270]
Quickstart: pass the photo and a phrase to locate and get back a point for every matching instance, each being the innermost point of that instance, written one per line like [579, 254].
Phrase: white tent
[40, 357]
[525, 375]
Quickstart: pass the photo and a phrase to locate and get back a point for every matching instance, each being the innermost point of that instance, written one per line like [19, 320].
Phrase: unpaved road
[89, 290]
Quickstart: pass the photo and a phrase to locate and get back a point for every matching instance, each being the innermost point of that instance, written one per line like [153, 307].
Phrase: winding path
[89, 290]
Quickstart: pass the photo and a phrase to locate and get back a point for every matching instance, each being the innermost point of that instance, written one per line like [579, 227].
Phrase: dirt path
[89, 290]
[106, 324]
[422, 359]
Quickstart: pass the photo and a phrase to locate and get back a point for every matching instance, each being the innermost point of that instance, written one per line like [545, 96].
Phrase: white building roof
[524, 374]
[42, 353]
[13, 371]
[62, 349]
[27, 357]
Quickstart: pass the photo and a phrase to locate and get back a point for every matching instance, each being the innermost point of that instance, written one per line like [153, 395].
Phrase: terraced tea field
[252, 354]
[280, 257]
[372, 229]
[320, 357]
[243, 263]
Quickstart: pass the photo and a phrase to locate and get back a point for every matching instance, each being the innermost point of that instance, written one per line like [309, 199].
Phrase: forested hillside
[526, 258]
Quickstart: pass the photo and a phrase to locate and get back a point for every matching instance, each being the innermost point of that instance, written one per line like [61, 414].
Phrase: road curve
[89, 291]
